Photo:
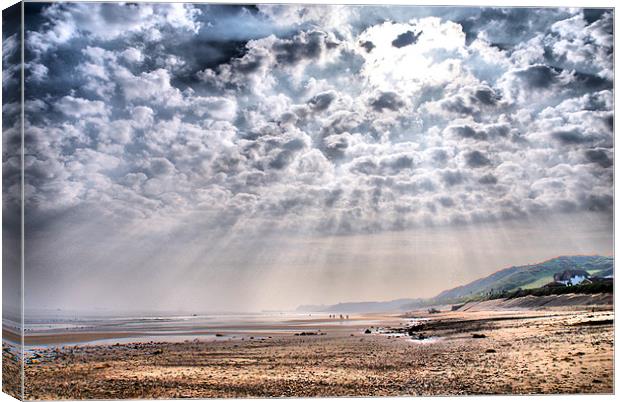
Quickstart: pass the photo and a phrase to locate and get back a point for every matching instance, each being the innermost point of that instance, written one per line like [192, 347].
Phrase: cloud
[571, 137]
[321, 102]
[488, 179]
[476, 159]
[430, 57]
[79, 107]
[367, 45]
[305, 46]
[370, 120]
[152, 86]
[218, 108]
[406, 39]
[599, 156]
[452, 177]
[109, 21]
[387, 101]
[537, 76]
[160, 166]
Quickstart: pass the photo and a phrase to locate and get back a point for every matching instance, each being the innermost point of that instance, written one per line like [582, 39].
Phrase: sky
[233, 158]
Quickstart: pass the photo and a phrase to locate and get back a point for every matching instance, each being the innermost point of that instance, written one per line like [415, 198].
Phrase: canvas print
[213, 201]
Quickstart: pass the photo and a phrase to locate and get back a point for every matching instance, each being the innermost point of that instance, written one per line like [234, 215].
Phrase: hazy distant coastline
[504, 281]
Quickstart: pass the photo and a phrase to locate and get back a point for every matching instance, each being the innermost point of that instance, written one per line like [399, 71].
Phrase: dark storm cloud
[476, 159]
[281, 160]
[321, 102]
[599, 156]
[294, 145]
[304, 46]
[590, 82]
[367, 45]
[467, 132]
[538, 76]
[488, 179]
[486, 96]
[507, 27]
[389, 166]
[387, 100]
[452, 177]
[593, 14]
[402, 162]
[457, 105]
[406, 39]
[598, 203]
[570, 137]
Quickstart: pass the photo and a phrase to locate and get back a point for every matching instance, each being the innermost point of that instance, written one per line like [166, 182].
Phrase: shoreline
[285, 327]
[513, 352]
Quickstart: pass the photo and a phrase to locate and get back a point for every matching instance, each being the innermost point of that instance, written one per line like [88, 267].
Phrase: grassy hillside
[525, 277]
[590, 288]
[509, 282]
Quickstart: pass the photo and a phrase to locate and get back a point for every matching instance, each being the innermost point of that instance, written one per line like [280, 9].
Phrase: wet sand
[515, 352]
[271, 327]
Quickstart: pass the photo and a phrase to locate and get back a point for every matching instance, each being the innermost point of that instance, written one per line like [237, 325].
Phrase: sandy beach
[451, 353]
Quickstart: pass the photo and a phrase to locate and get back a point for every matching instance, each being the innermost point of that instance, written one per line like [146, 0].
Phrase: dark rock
[308, 333]
[490, 351]
[478, 336]
[415, 328]
[368, 331]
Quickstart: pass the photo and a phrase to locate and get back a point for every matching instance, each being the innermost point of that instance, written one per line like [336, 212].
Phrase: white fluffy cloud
[79, 107]
[109, 21]
[326, 121]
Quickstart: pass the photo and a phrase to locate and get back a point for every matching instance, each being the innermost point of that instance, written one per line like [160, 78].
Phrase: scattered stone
[368, 331]
[478, 336]
[490, 351]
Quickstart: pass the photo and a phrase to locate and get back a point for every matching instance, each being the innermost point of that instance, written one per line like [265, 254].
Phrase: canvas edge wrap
[12, 202]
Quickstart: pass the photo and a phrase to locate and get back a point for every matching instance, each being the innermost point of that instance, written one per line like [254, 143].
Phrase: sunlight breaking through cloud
[190, 144]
